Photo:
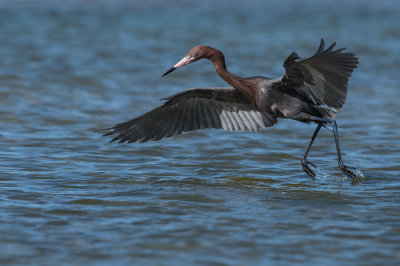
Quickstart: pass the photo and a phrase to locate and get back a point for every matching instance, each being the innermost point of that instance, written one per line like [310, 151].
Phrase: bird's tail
[325, 112]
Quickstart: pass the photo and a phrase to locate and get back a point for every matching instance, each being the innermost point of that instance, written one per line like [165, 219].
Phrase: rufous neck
[231, 79]
[220, 67]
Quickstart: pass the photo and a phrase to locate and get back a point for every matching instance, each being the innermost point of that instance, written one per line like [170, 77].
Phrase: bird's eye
[191, 56]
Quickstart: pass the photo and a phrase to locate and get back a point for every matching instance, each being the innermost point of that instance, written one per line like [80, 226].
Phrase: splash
[324, 176]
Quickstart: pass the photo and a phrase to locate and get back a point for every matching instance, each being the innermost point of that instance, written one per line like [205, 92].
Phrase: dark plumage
[311, 90]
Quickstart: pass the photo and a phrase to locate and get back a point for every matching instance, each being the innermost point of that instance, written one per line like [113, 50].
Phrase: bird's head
[196, 53]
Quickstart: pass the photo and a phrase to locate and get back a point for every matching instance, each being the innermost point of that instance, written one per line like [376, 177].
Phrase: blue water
[209, 197]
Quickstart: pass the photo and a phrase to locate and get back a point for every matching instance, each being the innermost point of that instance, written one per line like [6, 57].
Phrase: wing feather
[257, 118]
[201, 116]
[321, 78]
[233, 120]
[252, 122]
[208, 117]
[226, 121]
[245, 120]
[194, 109]
[182, 120]
[215, 116]
[189, 117]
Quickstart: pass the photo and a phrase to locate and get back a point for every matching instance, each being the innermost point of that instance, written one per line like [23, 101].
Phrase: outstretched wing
[321, 78]
[194, 109]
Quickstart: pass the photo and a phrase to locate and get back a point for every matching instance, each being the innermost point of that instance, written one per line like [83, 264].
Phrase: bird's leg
[348, 170]
[304, 162]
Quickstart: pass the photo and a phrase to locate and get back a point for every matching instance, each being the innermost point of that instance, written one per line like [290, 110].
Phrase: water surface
[207, 197]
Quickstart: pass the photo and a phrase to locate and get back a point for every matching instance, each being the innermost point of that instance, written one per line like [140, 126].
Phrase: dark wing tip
[108, 134]
[293, 56]
[321, 46]
[291, 59]
[112, 140]
[110, 131]
[331, 47]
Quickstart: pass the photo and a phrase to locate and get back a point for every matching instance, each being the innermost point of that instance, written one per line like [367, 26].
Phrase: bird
[311, 90]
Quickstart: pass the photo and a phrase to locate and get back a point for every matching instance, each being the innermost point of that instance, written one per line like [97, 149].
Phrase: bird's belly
[280, 104]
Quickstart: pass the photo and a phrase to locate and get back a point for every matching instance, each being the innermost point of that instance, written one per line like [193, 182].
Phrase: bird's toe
[352, 172]
[306, 167]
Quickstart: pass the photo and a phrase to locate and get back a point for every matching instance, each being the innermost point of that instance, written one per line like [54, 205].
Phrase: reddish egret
[311, 90]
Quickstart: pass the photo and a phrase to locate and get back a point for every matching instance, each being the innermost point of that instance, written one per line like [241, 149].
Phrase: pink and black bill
[184, 61]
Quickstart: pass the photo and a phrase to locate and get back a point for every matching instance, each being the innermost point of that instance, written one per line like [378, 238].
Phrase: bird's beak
[186, 60]
[169, 71]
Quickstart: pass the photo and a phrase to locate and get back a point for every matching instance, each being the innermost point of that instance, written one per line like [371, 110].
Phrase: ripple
[206, 197]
